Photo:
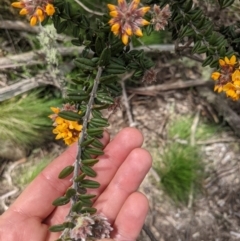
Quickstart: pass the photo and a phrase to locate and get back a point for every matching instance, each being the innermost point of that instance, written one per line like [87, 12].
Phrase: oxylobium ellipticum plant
[106, 57]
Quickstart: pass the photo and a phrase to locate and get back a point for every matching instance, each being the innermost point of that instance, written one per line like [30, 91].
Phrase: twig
[126, 102]
[154, 89]
[156, 48]
[24, 27]
[8, 177]
[24, 86]
[9, 36]
[235, 234]
[194, 128]
[34, 57]
[18, 25]
[149, 232]
[88, 9]
[220, 140]
[193, 143]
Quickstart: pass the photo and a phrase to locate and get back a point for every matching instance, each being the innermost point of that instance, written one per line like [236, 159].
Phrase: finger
[115, 154]
[131, 217]
[126, 181]
[37, 198]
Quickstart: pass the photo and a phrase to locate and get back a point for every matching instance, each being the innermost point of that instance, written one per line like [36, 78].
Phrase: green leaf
[99, 45]
[201, 50]
[57, 228]
[85, 155]
[66, 172]
[227, 3]
[80, 177]
[87, 203]
[97, 144]
[60, 201]
[77, 206]
[197, 15]
[96, 113]
[188, 6]
[94, 131]
[90, 162]
[56, 21]
[105, 57]
[90, 184]
[83, 66]
[62, 27]
[100, 122]
[207, 61]
[196, 46]
[85, 61]
[105, 99]
[88, 171]
[69, 225]
[87, 142]
[94, 151]
[76, 42]
[90, 210]
[70, 115]
[70, 192]
[87, 196]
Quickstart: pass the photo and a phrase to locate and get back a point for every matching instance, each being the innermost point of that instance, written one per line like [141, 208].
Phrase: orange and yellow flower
[67, 130]
[36, 10]
[226, 61]
[127, 19]
[228, 77]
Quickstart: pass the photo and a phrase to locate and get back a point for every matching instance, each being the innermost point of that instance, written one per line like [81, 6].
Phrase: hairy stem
[81, 139]
[84, 128]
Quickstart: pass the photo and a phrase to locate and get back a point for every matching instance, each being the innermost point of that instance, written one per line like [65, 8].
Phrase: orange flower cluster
[228, 78]
[69, 131]
[127, 19]
[36, 10]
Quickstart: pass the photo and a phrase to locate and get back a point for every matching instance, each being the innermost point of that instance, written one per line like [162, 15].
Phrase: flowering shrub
[107, 56]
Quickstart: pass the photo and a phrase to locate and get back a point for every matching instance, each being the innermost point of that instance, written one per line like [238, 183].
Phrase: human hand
[120, 171]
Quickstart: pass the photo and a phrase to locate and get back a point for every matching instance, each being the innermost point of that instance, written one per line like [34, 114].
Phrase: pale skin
[120, 171]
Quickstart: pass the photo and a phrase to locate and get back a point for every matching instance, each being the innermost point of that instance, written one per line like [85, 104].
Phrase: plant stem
[84, 128]
[80, 140]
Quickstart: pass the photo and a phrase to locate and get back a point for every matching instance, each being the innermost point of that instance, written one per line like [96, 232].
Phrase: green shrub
[180, 171]
[24, 121]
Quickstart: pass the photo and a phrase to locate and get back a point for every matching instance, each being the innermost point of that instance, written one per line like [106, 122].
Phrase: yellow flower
[232, 61]
[218, 88]
[215, 75]
[50, 10]
[24, 11]
[33, 20]
[231, 91]
[236, 77]
[17, 5]
[127, 19]
[228, 77]
[36, 10]
[64, 129]
[67, 130]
